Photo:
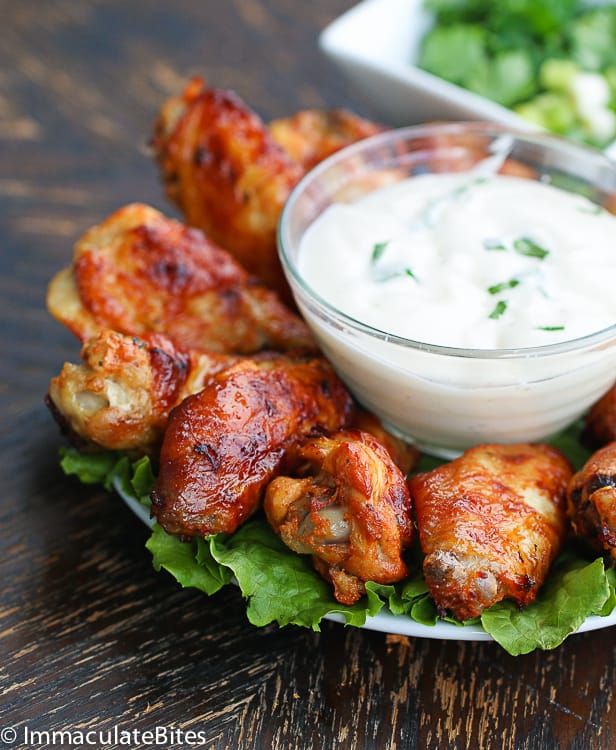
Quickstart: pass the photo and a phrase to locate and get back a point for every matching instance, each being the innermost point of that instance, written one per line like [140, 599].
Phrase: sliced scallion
[491, 244]
[378, 250]
[499, 309]
[529, 248]
[498, 288]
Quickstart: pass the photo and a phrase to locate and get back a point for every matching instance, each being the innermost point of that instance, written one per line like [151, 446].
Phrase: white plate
[376, 45]
[385, 622]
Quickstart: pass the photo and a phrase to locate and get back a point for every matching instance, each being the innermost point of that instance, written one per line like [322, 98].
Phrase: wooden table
[91, 637]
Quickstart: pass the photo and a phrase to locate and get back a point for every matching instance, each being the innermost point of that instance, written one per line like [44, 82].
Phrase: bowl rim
[334, 39]
[406, 133]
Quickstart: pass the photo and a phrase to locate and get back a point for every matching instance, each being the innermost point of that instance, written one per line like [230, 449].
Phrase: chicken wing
[121, 396]
[404, 455]
[310, 136]
[490, 524]
[350, 510]
[223, 445]
[591, 499]
[230, 175]
[600, 427]
[139, 272]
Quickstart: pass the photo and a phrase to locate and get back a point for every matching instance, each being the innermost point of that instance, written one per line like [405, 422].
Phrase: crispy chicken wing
[490, 524]
[350, 509]
[592, 500]
[120, 397]
[405, 455]
[224, 444]
[600, 427]
[231, 175]
[140, 272]
[310, 136]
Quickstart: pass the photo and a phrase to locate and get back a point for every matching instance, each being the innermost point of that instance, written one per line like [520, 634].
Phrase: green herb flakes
[498, 288]
[529, 248]
[378, 250]
[499, 309]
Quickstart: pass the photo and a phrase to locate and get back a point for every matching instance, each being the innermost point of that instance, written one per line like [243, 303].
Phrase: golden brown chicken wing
[139, 272]
[310, 136]
[404, 455]
[121, 396]
[350, 510]
[231, 175]
[490, 524]
[224, 444]
[592, 500]
[600, 427]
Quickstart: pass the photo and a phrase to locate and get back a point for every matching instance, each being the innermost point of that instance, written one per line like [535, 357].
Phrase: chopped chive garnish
[526, 246]
[493, 245]
[378, 250]
[550, 328]
[592, 210]
[498, 288]
[397, 275]
[500, 308]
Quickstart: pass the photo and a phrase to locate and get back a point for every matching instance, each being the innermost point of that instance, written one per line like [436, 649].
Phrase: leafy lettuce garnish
[574, 590]
[282, 587]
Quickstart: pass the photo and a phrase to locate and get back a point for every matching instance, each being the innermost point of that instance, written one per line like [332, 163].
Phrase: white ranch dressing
[469, 261]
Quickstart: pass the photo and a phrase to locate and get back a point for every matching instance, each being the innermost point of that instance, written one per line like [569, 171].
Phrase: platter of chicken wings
[203, 399]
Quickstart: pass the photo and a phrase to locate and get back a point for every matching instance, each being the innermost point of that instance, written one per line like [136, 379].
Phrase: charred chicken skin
[490, 524]
[592, 500]
[223, 445]
[139, 272]
[120, 397]
[350, 509]
[230, 174]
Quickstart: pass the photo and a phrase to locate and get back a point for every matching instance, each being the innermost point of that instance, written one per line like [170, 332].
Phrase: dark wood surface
[90, 636]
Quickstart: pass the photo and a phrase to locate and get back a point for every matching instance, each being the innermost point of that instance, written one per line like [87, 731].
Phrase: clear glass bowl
[447, 399]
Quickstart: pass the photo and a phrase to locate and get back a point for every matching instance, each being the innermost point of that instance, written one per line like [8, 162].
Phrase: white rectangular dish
[376, 45]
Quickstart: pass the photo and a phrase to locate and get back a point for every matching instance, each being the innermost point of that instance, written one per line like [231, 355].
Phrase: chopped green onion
[493, 245]
[397, 275]
[499, 309]
[526, 246]
[592, 210]
[550, 328]
[378, 250]
[498, 288]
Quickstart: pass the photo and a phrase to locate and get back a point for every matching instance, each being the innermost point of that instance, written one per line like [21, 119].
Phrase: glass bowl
[446, 399]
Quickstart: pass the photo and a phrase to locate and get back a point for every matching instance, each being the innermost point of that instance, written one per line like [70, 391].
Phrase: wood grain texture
[90, 636]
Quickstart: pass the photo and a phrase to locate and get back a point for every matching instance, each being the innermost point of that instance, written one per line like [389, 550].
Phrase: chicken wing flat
[350, 510]
[490, 524]
[310, 136]
[600, 427]
[404, 455]
[140, 272]
[230, 174]
[223, 445]
[591, 499]
[120, 397]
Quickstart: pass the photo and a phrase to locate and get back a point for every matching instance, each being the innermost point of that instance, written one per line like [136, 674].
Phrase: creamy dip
[464, 261]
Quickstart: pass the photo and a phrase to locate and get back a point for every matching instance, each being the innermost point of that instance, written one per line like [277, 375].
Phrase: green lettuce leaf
[572, 592]
[281, 586]
[190, 563]
[278, 584]
[92, 468]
